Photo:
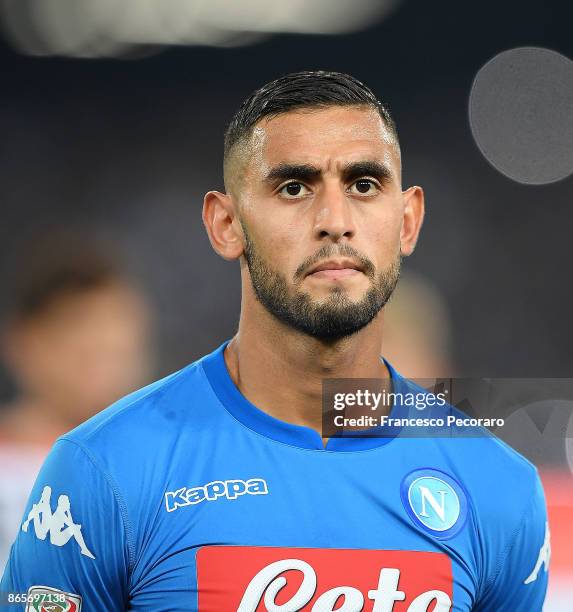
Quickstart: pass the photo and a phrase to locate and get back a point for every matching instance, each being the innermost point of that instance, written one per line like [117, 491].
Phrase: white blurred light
[58, 27]
[168, 22]
[74, 28]
[298, 16]
[92, 28]
[521, 114]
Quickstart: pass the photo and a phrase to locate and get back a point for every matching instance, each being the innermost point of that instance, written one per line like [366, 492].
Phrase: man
[214, 489]
[77, 337]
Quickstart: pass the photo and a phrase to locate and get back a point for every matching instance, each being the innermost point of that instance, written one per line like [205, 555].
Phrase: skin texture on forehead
[249, 159]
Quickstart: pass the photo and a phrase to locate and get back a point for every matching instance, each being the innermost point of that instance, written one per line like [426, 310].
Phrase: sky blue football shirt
[185, 496]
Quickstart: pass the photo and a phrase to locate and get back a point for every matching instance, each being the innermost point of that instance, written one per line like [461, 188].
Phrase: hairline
[246, 138]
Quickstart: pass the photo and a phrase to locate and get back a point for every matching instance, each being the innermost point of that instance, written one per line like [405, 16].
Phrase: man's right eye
[293, 190]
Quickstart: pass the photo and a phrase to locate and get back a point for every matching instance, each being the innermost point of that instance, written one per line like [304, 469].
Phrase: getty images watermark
[450, 407]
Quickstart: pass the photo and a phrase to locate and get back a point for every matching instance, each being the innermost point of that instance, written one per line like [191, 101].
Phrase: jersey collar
[259, 421]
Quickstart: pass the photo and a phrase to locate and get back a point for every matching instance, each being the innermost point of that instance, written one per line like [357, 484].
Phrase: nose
[333, 217]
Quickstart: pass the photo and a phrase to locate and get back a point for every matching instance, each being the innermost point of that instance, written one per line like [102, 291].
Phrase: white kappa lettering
[59, 524]
[212, 491]
[268, 582]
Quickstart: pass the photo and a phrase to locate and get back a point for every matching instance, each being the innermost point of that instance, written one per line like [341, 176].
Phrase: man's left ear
[413, 218]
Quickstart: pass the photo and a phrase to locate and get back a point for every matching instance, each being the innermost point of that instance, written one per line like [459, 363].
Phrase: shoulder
[130, 449]
[138, 436]
[500, 483]
[155, 410]
[504, 517]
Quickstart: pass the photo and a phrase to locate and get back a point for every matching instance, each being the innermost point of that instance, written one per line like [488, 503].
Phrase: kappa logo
[543, 559]
[47, 599]
[230, 489]
[59, 524]
[435, 502]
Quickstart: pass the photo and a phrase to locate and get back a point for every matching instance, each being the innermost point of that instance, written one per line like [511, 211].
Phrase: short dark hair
[308, 89]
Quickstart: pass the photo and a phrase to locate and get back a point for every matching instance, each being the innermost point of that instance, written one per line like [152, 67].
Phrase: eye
[293, 190]
[364, 187]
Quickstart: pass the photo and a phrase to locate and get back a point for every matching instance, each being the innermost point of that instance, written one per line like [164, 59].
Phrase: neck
[281, 370]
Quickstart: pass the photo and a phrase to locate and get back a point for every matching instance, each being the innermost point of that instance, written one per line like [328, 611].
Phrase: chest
[280, 536]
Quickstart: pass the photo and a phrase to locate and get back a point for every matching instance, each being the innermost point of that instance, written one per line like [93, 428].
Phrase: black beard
[332, 319]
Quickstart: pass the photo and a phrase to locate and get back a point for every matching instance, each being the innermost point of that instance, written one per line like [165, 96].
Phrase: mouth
[335, 269]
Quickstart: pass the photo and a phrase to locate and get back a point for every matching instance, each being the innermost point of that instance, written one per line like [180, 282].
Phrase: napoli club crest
[435, 502]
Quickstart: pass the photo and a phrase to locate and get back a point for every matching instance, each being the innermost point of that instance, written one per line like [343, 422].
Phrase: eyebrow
[300, 172]
[308, 173]
[356, 170]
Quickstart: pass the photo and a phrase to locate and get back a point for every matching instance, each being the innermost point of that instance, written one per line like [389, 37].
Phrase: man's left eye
[363, 186]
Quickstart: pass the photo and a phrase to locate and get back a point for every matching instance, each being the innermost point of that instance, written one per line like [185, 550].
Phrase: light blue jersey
[185, 496]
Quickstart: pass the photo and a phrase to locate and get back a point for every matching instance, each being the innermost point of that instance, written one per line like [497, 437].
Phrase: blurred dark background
[127, 148]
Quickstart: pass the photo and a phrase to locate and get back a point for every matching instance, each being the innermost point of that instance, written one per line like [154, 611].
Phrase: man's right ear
[221, 224]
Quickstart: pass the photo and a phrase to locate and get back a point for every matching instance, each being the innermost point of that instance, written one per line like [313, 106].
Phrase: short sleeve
[520, 583]
[72, 538]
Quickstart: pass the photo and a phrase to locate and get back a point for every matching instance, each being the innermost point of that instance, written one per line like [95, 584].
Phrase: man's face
[321, 209]
[84, 351]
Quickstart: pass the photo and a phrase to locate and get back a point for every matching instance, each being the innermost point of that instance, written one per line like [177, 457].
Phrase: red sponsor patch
[253, 578]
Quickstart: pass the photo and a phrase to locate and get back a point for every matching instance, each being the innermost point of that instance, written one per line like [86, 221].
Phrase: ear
[413, 218]
[219, 218]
